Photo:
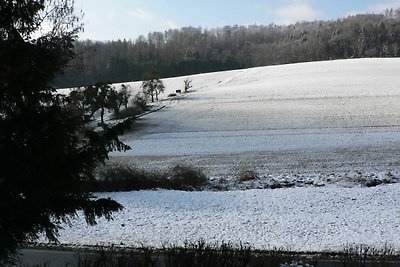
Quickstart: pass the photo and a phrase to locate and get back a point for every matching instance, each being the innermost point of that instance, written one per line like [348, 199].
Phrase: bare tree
[188, 84]
[125, 94]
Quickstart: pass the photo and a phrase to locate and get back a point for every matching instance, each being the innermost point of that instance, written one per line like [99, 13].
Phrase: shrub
[110, 257]
[244, 176]
[186, 178]
[140, 100]
[296, 264]
[202, 254]
[126, 178]
[128, 112]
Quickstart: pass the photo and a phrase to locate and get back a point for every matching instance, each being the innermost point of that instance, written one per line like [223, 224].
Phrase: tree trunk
[102, 115]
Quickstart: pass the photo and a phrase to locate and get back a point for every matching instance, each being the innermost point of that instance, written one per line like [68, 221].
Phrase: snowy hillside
[321, 117]
[330, 121]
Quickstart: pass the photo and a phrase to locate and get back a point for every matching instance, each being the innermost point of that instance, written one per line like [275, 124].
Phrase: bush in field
[140, 100]
[244, 176]
[201, 254]
[186, 178]
[125, 178]
[110, 257]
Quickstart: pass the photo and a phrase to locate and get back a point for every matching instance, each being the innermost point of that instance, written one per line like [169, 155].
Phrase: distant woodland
[193, 50]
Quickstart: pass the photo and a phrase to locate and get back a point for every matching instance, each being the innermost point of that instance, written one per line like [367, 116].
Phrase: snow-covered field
[334, 120]
[300, 219]
[318, 117]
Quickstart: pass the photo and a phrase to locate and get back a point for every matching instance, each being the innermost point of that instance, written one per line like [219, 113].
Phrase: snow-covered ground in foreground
[323, 120]
[301, 219]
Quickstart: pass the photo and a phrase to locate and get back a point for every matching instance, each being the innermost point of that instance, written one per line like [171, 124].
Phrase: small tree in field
[153, 87]
[188, 84]
[101, 96]
[124, 94]
[119, 99]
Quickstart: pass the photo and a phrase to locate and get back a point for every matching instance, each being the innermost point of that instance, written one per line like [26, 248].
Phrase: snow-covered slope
[325, 120]
[319, 117]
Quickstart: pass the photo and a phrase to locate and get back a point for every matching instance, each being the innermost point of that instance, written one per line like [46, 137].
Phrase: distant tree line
[192, 50]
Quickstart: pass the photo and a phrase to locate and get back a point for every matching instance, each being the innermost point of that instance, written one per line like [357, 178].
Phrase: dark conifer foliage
[48, 151]
[195, 50]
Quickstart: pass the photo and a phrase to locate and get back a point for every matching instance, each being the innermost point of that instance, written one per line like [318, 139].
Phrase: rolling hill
[335, 123]
[310, 118]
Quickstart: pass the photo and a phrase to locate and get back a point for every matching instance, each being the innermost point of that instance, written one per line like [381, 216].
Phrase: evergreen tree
[48, 153]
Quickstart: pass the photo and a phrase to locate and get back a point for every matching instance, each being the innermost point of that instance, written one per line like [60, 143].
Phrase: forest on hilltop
[192, 50]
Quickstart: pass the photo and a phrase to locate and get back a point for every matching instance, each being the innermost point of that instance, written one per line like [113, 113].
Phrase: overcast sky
[127, 19]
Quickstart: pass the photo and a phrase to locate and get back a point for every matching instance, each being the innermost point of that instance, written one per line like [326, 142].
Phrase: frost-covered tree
[48, 153]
